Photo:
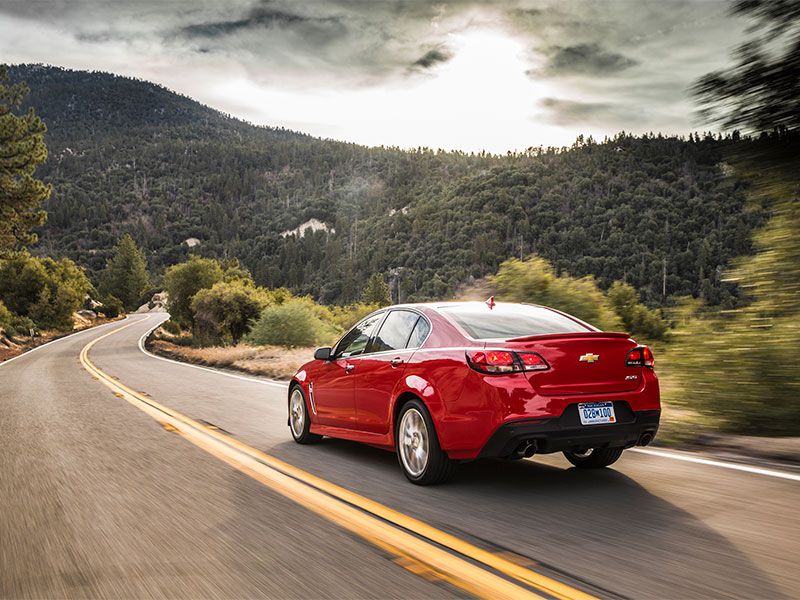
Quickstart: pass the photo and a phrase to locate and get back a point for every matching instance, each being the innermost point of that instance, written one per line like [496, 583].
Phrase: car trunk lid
[580, 363]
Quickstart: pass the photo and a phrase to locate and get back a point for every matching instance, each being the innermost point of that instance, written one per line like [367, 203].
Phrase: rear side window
[506, 321]
[395, 331]
[419, 334]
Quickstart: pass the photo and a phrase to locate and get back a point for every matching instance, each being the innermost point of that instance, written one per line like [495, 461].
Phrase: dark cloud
[570, 111]
[525, 13]
[560, 111]
[605, 64]
[260, 17]
[433, 57]
[585, 59]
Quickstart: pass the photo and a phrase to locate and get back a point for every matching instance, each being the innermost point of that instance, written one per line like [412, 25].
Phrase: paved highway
[103, 495]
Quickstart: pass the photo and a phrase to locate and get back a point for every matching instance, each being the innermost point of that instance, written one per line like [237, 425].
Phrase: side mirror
[322, 354]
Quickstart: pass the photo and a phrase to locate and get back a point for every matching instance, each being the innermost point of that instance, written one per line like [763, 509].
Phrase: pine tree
[126, 275]
[22, 149]
[760, 91]
[376, 291]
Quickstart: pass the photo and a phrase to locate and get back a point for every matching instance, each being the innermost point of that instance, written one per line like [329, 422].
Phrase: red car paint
[358, 397]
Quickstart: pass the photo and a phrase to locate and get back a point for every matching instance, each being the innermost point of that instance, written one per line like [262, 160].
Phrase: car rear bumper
[544, 436]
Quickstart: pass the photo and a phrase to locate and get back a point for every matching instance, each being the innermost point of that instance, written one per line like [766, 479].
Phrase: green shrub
[183, 281]
[171, 327]
[5, 317]
[45, 290]
[183, 340]
[20, 326]
[637, 319]
[344, 317]
[112, 307]
[224, 313]
[147, 296]
[534, 280]
[290, 324]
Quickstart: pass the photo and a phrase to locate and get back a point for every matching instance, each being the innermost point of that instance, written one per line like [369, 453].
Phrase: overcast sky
[494, 75]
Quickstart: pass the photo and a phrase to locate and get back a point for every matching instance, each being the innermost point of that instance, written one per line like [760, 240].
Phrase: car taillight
[497, 362]
[640, 357]
[492, 361]
[532, 361]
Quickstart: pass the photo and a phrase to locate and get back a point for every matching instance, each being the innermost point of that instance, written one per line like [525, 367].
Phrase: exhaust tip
[645, 439]
[531, 449]
[525, 449]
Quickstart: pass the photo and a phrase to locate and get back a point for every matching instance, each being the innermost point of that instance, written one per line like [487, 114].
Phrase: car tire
[594, 458]
[421, 458]
[299, 421]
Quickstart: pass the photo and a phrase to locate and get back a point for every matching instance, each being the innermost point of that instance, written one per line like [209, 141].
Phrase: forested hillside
[127, 156]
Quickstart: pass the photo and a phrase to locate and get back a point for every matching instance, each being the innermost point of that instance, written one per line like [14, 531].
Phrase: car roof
[437, 306]
[452, 303]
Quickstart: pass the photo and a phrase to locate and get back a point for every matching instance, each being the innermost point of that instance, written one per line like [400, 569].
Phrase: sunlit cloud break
[457, 75]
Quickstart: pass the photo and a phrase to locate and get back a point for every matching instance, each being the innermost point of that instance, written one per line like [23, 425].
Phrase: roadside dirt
[267, 361]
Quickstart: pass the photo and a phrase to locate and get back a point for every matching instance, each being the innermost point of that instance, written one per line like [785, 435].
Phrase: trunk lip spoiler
[575, 335]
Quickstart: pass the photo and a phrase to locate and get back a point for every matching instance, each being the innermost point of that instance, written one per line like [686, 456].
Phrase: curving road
[99, 499]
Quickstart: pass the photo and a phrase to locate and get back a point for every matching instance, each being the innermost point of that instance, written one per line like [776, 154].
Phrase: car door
[333, 386]
[380, 369]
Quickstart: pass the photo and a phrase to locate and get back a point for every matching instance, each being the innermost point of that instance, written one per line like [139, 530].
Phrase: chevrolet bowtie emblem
[589, 358]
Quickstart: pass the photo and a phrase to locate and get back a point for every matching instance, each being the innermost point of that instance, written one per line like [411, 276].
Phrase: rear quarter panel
[436, 376]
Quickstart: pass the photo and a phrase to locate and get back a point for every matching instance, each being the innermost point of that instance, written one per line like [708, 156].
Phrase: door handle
[349, 369]
[396, 362]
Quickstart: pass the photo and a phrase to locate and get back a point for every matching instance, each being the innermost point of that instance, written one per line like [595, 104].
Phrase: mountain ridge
[127, 156]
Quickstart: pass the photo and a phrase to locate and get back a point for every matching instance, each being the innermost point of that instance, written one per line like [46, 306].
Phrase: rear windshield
[506, 321]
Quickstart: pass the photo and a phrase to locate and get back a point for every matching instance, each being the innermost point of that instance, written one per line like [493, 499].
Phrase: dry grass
[269, 361]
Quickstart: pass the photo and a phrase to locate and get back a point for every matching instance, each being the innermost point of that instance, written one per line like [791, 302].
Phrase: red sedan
[447, 382]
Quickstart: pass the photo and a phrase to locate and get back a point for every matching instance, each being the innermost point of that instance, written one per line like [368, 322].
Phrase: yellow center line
[367, 518]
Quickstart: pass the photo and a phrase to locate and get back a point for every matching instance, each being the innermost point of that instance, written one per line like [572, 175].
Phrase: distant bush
[224, 312]
[5, 317]
[344, 317]
[183, 340]
[171, 327]
[534, 280]
[42, 289]
[14, 325]
[636, 317]
[20, 326]
[291, 324]
[147, 296]
[112, 307]
[184, 280]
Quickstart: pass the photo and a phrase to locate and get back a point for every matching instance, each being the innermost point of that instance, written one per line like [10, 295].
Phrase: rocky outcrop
[312, 225]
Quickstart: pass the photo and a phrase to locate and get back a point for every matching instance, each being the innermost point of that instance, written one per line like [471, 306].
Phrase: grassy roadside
[274, 362]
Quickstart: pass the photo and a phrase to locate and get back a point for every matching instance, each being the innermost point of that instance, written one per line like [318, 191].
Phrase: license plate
[596, 413]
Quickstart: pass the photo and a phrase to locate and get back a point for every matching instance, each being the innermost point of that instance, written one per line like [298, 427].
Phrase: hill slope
[130, 156]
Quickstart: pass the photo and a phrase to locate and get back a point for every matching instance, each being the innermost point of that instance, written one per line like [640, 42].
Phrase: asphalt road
[98, 499]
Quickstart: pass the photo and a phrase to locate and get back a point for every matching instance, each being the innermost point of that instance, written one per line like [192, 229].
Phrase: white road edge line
[719, 463]
[208, 369]
[659, 453]
[64, 337]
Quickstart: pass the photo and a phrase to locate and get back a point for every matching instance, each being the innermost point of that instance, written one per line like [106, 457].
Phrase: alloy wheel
[297, 413]
[414, 442]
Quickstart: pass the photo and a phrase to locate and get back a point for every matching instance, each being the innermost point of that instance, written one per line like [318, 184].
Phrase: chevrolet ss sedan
[449, 382]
